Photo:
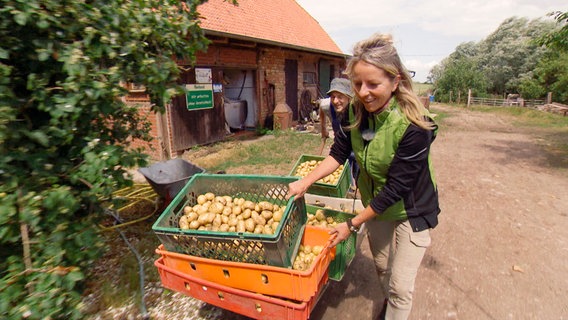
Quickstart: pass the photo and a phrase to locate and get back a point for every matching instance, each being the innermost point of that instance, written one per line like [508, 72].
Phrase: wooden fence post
[468, 97]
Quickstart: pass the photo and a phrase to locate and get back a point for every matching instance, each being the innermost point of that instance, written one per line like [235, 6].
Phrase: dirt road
[500, 250]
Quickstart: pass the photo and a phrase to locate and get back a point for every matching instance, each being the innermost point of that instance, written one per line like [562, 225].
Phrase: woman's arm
[300, 187]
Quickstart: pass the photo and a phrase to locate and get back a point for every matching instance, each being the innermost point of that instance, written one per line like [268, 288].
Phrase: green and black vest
[383, 133]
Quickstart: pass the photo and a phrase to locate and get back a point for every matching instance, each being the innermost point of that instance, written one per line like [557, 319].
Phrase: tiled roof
[280, 22]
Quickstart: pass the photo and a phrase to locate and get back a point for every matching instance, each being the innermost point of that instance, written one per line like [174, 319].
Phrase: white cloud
[424, 31]
[447, 17]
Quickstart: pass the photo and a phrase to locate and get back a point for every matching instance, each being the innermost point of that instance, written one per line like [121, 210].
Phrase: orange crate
[269, 280]
[252, 305]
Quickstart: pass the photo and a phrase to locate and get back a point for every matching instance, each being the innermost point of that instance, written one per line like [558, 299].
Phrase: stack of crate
[247, 273]
[330, 198]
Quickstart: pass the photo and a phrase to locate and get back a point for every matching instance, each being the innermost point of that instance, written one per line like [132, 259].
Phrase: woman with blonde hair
[390, 133]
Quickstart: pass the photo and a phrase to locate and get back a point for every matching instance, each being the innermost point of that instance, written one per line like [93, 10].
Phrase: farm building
[262, 54]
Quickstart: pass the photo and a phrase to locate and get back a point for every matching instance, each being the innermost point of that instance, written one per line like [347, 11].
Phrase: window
[309, 78]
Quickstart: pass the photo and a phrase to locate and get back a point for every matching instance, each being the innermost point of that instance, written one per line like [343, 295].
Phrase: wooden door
[291, 77]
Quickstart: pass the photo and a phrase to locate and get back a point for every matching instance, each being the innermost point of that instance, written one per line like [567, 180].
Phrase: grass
[422, 89]
[279, 152]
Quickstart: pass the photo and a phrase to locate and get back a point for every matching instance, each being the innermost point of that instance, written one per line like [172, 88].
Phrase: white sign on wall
[203, 75]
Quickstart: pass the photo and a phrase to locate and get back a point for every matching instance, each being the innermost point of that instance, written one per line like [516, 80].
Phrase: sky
[424, 32]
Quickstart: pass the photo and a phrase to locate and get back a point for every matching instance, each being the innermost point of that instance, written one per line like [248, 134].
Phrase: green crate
[278, 249]
[345, 250]
[338, 190]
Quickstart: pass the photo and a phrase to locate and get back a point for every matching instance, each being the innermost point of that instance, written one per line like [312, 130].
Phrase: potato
[275, 225]
[202, 219]
[277, 215]
[248, 205]
[201, 210]
[221, 200]
[267, 229]
[260, 221]
[241, 226]
[187, 210]
[210, 196]
[265, 205]
[194, 224]
[192, 216]
[210, 217]
[201, 199]
[266, 214]
[217, 221]
[227, 211]
[317, 250]
[258, 229]
[183, 222]
[249, 225]
[216, 207]
[320, 215]
[246, 213]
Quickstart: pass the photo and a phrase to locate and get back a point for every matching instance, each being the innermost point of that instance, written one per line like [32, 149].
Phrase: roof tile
[280, 21]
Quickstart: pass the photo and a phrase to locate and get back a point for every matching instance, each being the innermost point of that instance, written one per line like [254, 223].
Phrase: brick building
[263, 53]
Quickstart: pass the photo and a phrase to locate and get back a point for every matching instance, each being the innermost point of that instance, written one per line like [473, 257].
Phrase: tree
[557, 39]
[65, 132]
[457, 74]
[510, 52]
[551, 72]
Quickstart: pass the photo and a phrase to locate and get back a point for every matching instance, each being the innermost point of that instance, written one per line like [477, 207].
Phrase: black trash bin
[169, 177]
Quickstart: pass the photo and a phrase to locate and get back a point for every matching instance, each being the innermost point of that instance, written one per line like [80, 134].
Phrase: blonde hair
[378, 50]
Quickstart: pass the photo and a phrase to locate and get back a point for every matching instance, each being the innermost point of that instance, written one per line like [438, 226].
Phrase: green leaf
[38, 137]
[4, 53]
[21, 18]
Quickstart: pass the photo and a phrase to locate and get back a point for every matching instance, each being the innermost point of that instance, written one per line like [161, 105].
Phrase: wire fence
[495, 102]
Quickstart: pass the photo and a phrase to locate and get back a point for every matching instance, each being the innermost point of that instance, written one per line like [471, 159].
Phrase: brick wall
[153, 148]
[271, 70]
[269, 63]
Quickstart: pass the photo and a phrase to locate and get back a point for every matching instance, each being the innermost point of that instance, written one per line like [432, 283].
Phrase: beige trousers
[397, 253]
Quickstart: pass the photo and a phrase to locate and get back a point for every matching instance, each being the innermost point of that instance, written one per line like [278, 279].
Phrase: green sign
[199, 96]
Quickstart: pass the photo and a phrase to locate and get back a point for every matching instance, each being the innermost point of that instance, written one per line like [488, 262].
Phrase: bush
[64, 132]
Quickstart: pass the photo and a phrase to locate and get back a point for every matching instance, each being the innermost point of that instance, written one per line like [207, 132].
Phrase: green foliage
[550, 75]
[457, 74]
[558, 38]
[510, 52]
[65, 132]
[504, 62]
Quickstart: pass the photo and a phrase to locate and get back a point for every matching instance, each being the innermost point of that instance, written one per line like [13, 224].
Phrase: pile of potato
[306, 167]
[306, 257]
[320, 220]
[228, 214]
